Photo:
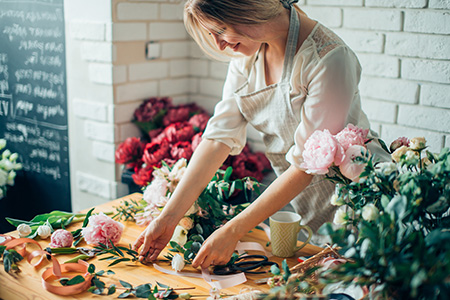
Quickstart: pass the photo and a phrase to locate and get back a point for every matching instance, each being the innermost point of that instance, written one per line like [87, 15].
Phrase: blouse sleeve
[332, 98]
[227, 125]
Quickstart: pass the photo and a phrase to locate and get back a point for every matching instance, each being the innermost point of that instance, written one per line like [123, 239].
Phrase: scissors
[246, 264]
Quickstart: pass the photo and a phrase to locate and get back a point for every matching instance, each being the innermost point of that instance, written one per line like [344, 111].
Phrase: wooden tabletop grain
[27, 284]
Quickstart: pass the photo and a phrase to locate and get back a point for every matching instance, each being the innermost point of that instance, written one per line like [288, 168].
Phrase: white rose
[370, 212]
[178, 262]
[340, 217]
[5, 164]
[336, 201]
[179, 235]
[187, 223]
[387, 168]
[44, 231]
[24, 230]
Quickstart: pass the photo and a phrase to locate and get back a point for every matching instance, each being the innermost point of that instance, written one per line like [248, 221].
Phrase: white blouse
[324, 93]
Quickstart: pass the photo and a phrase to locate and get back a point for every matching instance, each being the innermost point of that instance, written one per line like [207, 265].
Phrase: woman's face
[239, 38]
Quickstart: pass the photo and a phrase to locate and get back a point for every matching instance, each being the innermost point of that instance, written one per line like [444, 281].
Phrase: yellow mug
[284, 228]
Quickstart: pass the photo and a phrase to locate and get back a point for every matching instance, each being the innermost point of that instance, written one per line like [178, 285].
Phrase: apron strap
[291, 45]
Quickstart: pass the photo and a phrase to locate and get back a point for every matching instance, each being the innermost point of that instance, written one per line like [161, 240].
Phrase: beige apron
[269, 110]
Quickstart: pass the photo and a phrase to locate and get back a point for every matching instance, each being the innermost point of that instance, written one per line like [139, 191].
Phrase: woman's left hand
[217, 249]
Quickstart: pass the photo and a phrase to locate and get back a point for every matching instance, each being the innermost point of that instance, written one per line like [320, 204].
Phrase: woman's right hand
[153, 240]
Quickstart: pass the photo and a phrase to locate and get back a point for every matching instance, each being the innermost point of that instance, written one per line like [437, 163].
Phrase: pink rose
[352, 135]
[101, 229]
[351, 168]
[322, 150]
[199, 121]
[61, 238]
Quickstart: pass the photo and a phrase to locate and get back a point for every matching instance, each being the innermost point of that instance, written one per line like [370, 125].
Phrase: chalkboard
[33, 106]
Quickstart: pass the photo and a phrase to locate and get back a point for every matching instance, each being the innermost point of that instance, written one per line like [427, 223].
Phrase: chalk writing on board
[33, 104]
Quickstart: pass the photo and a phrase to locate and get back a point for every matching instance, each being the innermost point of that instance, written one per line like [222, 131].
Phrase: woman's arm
[217, 249]
[207, 158]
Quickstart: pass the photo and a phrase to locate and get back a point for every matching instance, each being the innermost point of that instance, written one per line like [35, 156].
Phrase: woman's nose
[221, 43]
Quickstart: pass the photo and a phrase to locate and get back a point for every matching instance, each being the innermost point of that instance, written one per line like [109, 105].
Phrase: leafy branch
[10, 259]
[128, 210]
[117, 253]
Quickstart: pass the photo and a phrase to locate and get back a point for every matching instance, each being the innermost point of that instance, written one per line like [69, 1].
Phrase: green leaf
[86, 219]
[125, 284]
[118, 261]
[197, 238]
[199, 228]
[100, 273]
[98, 283]
[112, 289]
[383, 145]
[227, 175]
[143, 291]
[75, 280]
[196, 247]
[275, 270]
[109, 272]
[151, 297]
[91, 269]
[124, 295]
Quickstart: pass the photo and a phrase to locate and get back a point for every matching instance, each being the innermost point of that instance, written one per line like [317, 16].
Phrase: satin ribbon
[57, 269]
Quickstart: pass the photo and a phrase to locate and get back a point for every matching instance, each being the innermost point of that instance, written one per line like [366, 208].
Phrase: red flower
[196, 139]
[179, 132]
[143, 176]
[181, 150]
[155, 152]
[129, 152]
[151, 108]
[176, 114]
[248, 166]
[199, 121]
[265, 162]
[154, 133]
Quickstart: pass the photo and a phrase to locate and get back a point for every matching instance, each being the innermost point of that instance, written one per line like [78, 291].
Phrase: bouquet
[8, 168]
[171, 132]
[393, 216]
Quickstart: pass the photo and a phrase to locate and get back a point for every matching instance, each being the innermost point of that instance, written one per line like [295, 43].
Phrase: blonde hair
[226, 13]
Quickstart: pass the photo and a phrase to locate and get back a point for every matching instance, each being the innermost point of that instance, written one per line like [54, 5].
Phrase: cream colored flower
[179, 235]
[187, 223]
[44, 231]
[24, 230]
[399, 153]
[418, 143]
[370, 212]
[178, 262]
[340, 217]
[387, 168]
[193, 210]
[336, 201]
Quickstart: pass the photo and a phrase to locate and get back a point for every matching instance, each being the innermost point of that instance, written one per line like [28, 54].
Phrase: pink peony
[352, 135]
[351, 168]
[322, 150]
[102, 229]
[61, 238]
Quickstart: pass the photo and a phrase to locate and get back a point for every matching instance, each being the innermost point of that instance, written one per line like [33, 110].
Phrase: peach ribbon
[56, 271]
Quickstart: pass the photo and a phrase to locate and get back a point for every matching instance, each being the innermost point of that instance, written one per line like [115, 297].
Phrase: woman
[289, 77]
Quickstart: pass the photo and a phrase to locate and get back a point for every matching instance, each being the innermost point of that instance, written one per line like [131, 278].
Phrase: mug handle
[310, 233]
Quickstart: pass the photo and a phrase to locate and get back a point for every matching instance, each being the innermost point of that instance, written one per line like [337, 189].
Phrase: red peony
[151, 108]
[181, 150]
[143, 176]
[155, 152]
[196, 139]
[179, 132]
[199, 121]
[248, 166]
[154, 133]
[176, 114]
[265, 162]
[129, 152]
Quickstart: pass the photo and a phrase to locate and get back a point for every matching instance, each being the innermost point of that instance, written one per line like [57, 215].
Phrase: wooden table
[27, 284]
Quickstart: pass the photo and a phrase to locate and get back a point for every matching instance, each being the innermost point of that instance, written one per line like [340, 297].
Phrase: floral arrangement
[8, 168]
[221, 200]
[171, 132]
[393, 216]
